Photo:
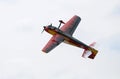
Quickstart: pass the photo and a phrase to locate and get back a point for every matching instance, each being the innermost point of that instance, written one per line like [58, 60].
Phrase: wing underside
[71, 25]
[52, 43]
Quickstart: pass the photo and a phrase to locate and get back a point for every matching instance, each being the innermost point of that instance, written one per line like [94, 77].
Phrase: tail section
[90, 52]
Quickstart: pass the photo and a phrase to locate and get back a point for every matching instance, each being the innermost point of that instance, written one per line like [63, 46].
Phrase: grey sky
[21, 40]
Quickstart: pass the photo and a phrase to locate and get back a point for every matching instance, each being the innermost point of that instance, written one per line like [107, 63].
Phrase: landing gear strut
[61, 22]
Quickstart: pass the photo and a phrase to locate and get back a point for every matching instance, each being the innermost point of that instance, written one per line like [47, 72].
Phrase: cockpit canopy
[51, 27]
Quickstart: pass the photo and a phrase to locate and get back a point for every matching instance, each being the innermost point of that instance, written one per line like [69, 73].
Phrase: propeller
[43, 29]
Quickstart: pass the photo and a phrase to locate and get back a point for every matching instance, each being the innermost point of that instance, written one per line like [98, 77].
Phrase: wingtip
[44, 51]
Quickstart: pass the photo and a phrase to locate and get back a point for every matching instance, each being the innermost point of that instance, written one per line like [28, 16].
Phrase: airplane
[64, 34]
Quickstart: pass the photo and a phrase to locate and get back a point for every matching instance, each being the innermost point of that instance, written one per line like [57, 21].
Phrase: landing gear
[61, 22]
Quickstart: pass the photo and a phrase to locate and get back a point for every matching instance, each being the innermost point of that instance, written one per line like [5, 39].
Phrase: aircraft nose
[44, 27]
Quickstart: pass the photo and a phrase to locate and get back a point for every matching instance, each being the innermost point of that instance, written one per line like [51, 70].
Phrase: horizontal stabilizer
[90, 52]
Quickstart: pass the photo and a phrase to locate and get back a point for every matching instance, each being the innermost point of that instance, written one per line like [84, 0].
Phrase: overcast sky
[21, 41]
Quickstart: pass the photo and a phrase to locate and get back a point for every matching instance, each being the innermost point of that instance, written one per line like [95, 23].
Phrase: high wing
[71, 25]
[53, 42]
